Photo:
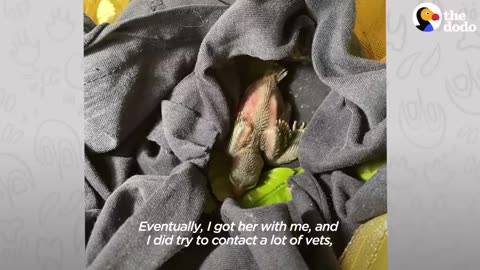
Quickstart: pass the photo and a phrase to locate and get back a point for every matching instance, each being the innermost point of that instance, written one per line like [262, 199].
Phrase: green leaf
[272, 188]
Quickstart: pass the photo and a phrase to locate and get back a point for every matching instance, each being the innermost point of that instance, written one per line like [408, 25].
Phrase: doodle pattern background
[41, 135]
[433, 141]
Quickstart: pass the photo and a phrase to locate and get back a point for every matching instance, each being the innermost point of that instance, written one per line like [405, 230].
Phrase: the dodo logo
[427, 17]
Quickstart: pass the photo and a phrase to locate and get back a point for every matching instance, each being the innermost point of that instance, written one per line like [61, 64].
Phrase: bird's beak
[435, 17]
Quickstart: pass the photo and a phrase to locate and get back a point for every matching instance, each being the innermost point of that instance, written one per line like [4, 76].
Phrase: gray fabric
[88, 24]
[161, 88]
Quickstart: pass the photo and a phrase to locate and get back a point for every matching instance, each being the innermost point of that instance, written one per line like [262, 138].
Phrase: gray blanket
[161, 87]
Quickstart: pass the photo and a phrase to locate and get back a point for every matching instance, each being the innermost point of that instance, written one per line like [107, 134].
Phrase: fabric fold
[116, 242]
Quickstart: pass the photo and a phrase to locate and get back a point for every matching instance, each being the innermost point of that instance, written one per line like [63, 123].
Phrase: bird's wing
[280, 143]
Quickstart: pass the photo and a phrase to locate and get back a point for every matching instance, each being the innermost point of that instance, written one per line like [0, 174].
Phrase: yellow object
[368, 169]
[368, 248]
[104, 11]
[370, 28]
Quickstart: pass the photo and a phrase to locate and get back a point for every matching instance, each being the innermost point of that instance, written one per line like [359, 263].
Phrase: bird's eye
[428, 13]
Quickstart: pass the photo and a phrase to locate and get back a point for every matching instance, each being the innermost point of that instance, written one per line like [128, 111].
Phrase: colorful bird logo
[427, 17]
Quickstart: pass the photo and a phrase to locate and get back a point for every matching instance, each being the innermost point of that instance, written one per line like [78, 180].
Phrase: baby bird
[261, 133]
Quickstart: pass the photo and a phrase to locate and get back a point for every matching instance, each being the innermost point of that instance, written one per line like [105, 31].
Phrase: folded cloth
[161, 87]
